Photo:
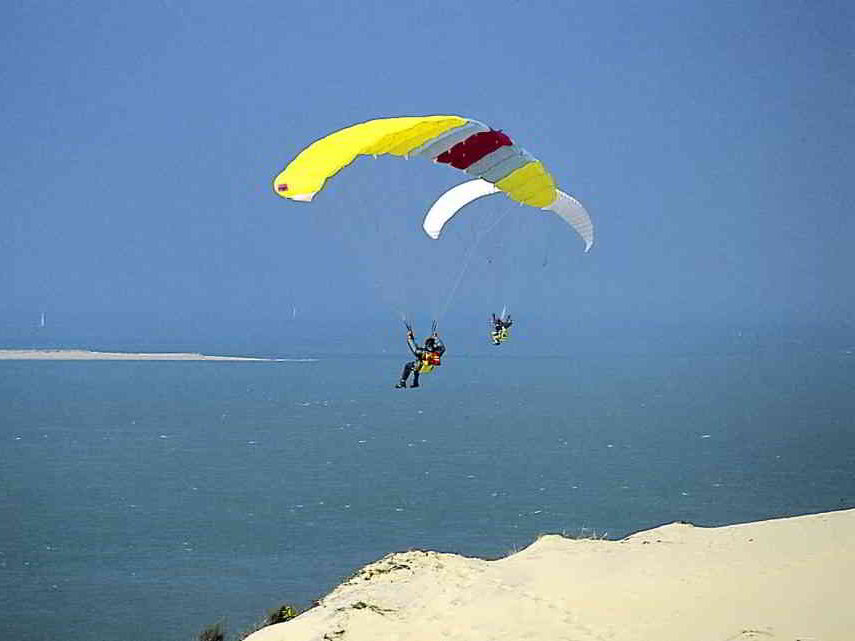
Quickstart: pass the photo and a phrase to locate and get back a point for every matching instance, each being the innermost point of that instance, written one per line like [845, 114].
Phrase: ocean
[147, 500]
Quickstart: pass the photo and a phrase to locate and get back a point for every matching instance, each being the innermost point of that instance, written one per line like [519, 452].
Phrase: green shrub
[212, 633]
[284, 612]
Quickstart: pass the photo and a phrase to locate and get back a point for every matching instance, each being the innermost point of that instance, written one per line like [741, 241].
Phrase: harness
[500, 335]
[428, 361]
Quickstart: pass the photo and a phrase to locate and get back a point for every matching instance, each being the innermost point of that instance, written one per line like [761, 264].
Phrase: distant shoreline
[86, 355]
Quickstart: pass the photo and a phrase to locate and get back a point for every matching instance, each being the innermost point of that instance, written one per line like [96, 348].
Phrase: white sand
[787, 579]
[83, 355]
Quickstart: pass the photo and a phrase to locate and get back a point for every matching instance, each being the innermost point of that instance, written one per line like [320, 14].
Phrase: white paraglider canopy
[571, 210]
[453, 201]
[456, 198]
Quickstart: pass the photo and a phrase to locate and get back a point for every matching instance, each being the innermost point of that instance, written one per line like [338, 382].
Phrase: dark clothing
[411, 367]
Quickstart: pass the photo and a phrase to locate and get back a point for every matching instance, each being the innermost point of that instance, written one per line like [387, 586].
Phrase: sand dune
[789, 579]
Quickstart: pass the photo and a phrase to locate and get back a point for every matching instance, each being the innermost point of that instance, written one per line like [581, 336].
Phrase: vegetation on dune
[284, 612]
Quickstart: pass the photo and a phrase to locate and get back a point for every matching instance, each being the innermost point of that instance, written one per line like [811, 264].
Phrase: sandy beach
[84, 355]
[786, 579]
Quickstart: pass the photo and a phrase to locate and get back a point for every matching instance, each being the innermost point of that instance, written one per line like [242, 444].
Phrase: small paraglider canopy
[456, 198]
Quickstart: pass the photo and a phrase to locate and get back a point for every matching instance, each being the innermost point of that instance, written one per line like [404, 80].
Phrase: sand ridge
[785, 579]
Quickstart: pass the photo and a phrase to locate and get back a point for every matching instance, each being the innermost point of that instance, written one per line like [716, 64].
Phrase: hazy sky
[711, 143]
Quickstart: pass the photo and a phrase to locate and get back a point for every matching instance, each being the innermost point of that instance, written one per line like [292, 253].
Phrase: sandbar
[86, 355]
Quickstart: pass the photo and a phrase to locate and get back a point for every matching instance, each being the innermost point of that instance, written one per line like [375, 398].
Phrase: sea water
[147, 500]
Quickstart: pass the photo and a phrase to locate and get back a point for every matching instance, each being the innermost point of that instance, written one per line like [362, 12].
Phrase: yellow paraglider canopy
[484, 153]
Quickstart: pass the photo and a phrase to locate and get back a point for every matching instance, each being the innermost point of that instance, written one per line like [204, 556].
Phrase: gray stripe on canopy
[446, 141]
[492, 159]
[504, 168]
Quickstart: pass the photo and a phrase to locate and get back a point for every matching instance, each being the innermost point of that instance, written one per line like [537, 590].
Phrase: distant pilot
[501, 329]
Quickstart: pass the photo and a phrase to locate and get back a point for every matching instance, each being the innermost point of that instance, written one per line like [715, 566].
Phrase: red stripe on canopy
[474, 148]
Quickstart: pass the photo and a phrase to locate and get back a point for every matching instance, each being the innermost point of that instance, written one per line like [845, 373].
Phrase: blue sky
[711, 143]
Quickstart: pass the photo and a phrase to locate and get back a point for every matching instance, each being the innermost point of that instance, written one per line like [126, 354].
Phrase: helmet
[430, 342]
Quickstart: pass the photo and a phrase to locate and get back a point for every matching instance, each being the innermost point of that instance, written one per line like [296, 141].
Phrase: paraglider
[500, 327]
[428, 357]
[490, 156]
[494, 162]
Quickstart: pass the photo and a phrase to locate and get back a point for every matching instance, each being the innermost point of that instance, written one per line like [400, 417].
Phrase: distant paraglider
[500, 327]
